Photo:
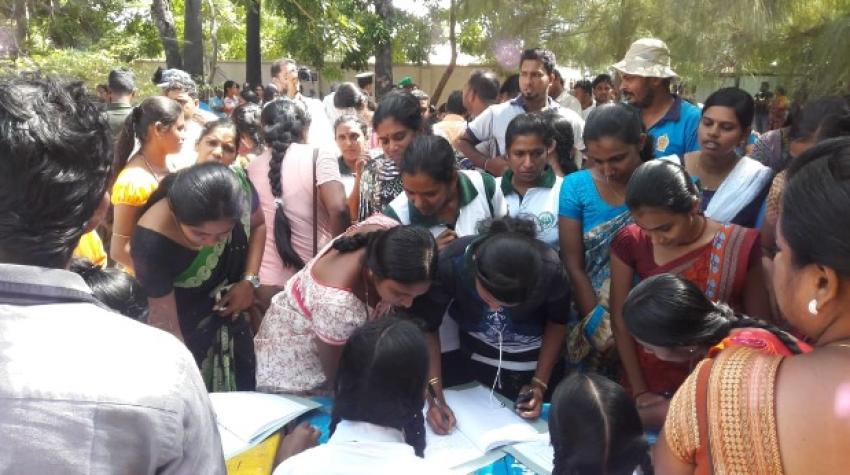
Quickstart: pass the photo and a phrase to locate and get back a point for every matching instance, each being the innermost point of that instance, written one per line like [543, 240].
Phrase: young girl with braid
[283, 176]
[376, 424]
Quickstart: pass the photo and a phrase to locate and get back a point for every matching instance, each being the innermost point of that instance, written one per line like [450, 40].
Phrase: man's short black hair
[602, 78]
[454, 105]
[485, 85]
[584, 85]
[539, 54]
[55, 163]
[121, 81]
[278, 65]
[511, 86]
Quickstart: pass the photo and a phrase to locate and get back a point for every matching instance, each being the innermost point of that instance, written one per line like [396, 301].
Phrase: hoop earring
[813, 307]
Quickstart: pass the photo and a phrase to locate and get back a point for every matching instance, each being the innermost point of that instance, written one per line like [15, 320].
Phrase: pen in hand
[436, 402]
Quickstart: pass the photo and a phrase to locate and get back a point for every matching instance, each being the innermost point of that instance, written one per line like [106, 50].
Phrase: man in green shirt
[122, 89]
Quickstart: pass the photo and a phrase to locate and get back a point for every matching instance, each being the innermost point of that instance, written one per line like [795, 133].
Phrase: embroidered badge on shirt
[662, 143]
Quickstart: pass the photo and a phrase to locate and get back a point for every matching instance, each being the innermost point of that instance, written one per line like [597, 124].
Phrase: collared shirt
[359, 448]
[492, 124]
[676, 132]
[539, 203]
[569, 101]
[84, 390]
[116, 114]
[479, 198]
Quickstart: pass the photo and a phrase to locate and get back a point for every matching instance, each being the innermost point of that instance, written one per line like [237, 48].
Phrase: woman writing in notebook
[509, 294]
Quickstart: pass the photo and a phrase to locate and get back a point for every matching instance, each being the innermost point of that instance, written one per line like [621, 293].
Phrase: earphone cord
[498, 378]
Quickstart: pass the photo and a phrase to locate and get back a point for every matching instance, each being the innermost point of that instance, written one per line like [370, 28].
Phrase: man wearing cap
[536, 76]
[406, 84]
[366, 83]
[645, 78]
[122, 88]
[285, 80]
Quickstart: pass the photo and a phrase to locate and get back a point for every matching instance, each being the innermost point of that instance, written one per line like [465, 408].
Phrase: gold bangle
[121, 235]
[433, 381]
[538, 381]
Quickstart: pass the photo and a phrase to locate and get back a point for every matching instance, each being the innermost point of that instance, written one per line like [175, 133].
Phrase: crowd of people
[642, 262]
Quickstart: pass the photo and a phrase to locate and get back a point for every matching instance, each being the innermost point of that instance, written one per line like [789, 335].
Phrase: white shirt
[492, 124]
[358, 448]
[84, 390]
[569, 101]
[476, 204]
[539, 203]
[330, 108]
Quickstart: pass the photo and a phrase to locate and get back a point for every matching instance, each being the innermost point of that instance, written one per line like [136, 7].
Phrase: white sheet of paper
[485, 421]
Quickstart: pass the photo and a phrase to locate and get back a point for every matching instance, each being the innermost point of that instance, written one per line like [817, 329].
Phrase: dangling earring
[813, 306]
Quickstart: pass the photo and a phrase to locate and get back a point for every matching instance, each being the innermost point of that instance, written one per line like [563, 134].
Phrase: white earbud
[813, 306]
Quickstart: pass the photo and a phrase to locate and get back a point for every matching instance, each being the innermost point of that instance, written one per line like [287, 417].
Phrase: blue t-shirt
[580, 200]
[676, 132]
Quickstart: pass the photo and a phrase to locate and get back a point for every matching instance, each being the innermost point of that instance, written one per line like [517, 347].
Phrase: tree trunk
[384, 52]
[163, 18]
[447, 73]
[253, 63]
[21, 23]
[213, 41]
[193, 40]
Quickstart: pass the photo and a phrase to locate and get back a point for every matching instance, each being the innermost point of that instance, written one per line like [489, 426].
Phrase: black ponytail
[284, 123]
[152, 110]
[406, 254]
[668, 311]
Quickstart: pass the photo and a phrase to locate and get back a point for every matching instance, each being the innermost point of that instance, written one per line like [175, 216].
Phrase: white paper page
[536, 455]
[486, 422]
[248, 415]
[448, 451]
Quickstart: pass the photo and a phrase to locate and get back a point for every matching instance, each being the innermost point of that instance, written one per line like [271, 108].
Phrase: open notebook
[483, 424]
[247, 418]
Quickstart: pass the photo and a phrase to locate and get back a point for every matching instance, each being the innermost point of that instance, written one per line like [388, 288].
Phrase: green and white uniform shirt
[540, 203]
[480, 198]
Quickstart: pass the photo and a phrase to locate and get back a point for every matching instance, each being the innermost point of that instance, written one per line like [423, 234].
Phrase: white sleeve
[500, 206]
[482, 127]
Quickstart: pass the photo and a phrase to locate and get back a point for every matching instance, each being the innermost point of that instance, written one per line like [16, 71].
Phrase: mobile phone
[523, 398]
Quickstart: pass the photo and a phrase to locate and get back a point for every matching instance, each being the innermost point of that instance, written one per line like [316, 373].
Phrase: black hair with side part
[114, 288]
[229, 84]
[738, 100]
[510, 87]
[539, 54]
[353, 119]
[348, 95]
[121, 81]
[529, 124]
[595, 428]
[202, 193]
[562, 133]
[668, 311]
[485, 85]
[402, 107]
[506, 260]
[247, 120]
[284, 123]
[405, 254]
[250, 96]
[602, 78]
[431, 155]
[664, 185]
[154, 109]
[55, 162]
[620, 121]
[381, 379]
[213, 125]
[813, 216]
[454, 104]
[584, 85]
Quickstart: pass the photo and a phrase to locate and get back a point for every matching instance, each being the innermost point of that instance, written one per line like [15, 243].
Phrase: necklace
[365, 280]
[150, 168]
[607, 183]
[842, 345]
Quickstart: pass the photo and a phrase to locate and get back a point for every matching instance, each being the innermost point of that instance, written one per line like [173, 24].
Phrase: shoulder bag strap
[315, 204]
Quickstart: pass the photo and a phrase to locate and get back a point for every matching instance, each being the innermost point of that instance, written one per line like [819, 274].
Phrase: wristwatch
[253, 279]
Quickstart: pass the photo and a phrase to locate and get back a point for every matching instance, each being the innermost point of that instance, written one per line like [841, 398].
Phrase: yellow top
[91, 247]
[133, 187]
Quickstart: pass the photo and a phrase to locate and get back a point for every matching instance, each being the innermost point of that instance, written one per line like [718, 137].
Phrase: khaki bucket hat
[647, 57]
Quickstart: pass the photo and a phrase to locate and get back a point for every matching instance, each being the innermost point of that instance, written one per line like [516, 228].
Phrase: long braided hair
[284, 122]
[381, 377]
[668, 311]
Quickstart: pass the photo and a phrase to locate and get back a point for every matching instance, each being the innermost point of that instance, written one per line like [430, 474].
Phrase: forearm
[554, 336]
[354, 199]
[340, 220]
[467, 148]
[119, 250]
[627, 349]
[585, 296]
[256, 246]
[435, 372]
[163, 315]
